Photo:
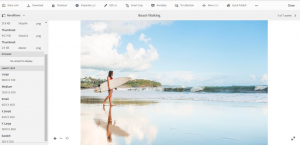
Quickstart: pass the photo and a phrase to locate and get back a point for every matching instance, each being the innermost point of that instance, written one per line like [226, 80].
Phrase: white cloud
[98, 26]
[93, 73]
[124, 27]
[264, 79]
[143, 38]
[100, 74]
[253, 77]
[85, 72]
[133, 76]
[99, 52]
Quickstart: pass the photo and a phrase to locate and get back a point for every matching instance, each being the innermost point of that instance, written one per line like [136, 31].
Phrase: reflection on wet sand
[120, 124]
[110, 128]
[132, 122]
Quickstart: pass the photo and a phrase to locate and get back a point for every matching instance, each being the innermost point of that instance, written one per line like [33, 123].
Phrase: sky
[188, 53]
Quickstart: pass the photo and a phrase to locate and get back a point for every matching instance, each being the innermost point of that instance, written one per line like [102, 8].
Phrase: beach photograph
[174, 82]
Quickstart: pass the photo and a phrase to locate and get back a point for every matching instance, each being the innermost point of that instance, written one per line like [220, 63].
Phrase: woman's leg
[105, 100]
[109, 95]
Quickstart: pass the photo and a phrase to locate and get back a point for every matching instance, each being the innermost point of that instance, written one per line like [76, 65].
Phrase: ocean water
[151, 117]
[149, 93]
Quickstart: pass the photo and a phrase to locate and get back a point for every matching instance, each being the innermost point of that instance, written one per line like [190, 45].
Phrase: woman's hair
[110, 73]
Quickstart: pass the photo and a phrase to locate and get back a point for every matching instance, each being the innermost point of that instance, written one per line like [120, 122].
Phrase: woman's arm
[108, 79]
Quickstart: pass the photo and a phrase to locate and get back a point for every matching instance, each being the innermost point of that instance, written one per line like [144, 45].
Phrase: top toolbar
[150, 5]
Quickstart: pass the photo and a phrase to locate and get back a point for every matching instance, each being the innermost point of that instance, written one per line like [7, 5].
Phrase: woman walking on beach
[110, 91]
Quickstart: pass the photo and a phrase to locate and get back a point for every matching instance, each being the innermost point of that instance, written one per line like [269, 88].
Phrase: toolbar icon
[293, 138]
[105, 5]
[3, 15]
[176, 5]
[53, 5]
[203, 5]
[152, 5]
[228, 5]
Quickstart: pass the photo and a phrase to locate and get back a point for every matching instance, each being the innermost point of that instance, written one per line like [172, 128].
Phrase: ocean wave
[220, 97]
[206, 89]
[261, 88]
[207, 93]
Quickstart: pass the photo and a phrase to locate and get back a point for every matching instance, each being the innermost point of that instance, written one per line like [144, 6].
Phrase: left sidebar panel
[23, 80]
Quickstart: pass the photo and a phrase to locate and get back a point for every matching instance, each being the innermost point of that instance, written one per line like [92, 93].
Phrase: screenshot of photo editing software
[142, 72]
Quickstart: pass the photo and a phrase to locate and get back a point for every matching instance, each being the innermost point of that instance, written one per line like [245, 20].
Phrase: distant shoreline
[86, 88]
[90, 83]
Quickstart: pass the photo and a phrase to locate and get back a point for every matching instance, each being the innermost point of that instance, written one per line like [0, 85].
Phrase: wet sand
[176, 122]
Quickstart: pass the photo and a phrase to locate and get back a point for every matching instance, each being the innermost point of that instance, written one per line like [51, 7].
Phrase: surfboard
[113, 84]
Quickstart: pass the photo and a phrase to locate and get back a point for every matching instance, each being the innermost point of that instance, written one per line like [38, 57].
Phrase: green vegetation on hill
[89, 82]
[142, 83]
